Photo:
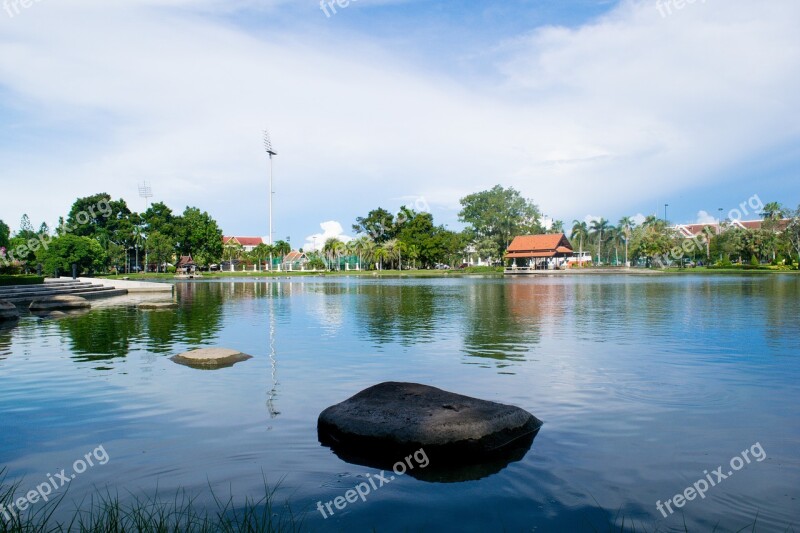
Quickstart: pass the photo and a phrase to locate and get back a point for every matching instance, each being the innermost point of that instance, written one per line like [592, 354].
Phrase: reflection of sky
[642, 383]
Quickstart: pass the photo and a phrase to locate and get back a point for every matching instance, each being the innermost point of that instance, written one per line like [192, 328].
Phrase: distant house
[294, 260]
[248, 244]
[539, 252]
[186, 265]
[695, 230]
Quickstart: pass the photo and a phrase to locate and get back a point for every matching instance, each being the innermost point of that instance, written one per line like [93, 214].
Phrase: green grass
[107, 513]
[6, 280]
[736, 269]
[356, 273]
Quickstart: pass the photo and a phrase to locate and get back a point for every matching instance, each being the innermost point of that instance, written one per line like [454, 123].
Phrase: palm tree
[580, 230]
[599, 228]
[380, 253]
[626, 225]
[330, 250]
[413, 253]
[360, 248]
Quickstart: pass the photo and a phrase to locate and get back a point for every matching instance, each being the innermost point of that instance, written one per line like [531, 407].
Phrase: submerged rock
[49, 303]
[466, 438]
[8, 311]
[211, 358]
[157, 305]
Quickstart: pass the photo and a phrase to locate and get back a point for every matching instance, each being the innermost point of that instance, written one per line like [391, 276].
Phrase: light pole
[665, 213]
[146, 192]
[270, 152]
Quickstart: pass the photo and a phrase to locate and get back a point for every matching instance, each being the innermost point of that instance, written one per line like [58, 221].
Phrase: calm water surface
[643, 383]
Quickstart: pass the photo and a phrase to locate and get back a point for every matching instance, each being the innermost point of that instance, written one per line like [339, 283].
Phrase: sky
[589, 108]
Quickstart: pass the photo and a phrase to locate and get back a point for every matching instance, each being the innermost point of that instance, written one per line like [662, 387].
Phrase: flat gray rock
[49, 303]
[396, 418]
[155, 306]
[8, 311]
[211, 358]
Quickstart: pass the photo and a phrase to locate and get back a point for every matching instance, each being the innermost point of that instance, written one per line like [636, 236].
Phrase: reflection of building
[248, 244]
[539, 252]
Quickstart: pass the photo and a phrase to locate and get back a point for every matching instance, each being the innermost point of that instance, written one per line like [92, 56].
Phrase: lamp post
[270, 153]
[146, 192]
[665, 213]
[719, 230]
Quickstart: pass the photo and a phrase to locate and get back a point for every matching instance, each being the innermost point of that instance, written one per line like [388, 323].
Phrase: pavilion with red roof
[538, 252]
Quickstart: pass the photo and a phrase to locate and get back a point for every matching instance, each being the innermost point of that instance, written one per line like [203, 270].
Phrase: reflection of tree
[200, 313]
[404, 313]
[112, 331]
[102, 334]
[5, 339]
[504, 319]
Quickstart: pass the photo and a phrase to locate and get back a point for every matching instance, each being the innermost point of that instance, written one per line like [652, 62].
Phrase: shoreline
[160, 278]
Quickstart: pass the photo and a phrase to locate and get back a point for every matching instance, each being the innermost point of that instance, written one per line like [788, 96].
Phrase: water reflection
[505, 320]
[407, 313]
[103, 334]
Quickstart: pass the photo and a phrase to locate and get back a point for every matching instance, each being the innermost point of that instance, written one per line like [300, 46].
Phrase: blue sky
[590, 108]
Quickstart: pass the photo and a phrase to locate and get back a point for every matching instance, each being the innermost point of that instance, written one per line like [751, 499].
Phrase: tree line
[100, 234]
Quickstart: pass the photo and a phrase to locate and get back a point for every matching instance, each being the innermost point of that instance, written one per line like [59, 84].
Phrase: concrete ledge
[131, 286]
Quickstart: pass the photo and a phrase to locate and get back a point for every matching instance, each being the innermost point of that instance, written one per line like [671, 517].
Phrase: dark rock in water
[211, 358]
[464, 437]
[157, 306]
[8, 311]
[49, 303]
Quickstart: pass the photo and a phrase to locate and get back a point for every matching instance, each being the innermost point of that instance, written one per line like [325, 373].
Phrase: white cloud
[330, 229]
[703, 217]
[639, 219]
[599, 118]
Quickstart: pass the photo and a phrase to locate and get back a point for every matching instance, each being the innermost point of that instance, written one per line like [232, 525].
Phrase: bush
[21, 280]
[754, 261]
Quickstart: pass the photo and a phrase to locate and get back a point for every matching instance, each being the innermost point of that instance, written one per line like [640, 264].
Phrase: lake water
[643, 383]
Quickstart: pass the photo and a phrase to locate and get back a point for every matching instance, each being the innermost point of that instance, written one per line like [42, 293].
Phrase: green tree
[792, 232]
[599, 229]
[198, 235]
[379, 225]
[500, 214]
[161, 249]
[626, 226]
[159, 218]
[5, 235]
[580, 232]
[66, 250]
[282, 248]
[333, 249]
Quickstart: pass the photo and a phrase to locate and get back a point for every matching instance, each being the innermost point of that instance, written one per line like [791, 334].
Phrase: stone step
[20, 293]
[25, 289]
[87, 291]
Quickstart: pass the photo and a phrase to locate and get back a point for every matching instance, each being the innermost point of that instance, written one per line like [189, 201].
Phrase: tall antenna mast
[270, 152]
[146, 192]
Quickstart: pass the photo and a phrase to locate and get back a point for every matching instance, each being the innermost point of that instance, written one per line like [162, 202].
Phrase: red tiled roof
[521, 255]
[244, 241]
[294, 256]
[539, 246]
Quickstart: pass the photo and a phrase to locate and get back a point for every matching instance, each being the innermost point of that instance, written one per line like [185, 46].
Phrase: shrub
[21, 280]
